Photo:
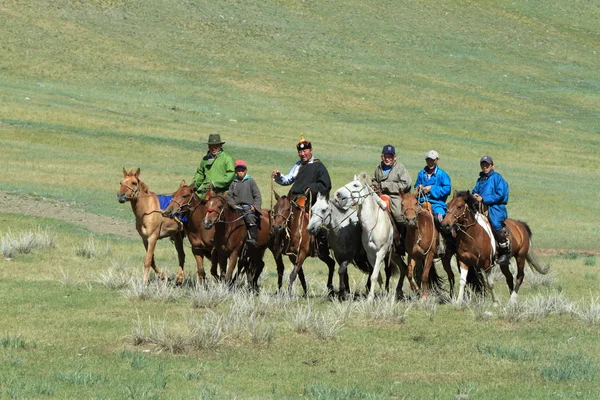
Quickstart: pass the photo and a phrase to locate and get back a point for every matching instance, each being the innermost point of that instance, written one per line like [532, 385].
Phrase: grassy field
[90, 87]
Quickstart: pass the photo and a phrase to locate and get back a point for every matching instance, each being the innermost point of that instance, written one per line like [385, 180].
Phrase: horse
[344, 236]
[475, 248]
[230, 235]
[377, 230]
[290, 219]
[186, 202]
[421, 243]
[150, 223]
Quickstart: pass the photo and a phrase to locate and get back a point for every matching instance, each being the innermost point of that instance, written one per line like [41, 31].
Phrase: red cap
[240, 164]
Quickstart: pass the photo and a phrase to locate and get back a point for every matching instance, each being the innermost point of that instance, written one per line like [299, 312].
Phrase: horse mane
[466, 194]
[143, 187]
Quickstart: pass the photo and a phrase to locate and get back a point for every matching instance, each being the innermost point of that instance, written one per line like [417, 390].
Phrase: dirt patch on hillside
[65, 211]
[69, 212]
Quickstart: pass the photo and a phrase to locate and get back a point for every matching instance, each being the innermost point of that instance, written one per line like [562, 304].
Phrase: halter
[181, 207]
[134, 193]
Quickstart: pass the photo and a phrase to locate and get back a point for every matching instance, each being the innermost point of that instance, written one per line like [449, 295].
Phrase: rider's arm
[288, 179]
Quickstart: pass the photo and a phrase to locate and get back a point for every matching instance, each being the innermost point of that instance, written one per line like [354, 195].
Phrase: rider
[433, 185]
[244, 193]
[492, 190]
[309, 176]
[216, 167]
[392, 179]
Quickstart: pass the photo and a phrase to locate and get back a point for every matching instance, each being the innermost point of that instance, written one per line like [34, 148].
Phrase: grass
[87, 88]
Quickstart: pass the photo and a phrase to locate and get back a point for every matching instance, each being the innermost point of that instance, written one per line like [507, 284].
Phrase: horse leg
[150, 245]
[331, 267]
[427, 263]
[233, 257]
[214, 264]
[520, 276]
[343, 276]
[411, 276]
[280, 269]
[509, 278]
[403, 274]
[464, 270]
[376, 268]
[199, 256]
[178, 240]
[448, 268]
[489, 281]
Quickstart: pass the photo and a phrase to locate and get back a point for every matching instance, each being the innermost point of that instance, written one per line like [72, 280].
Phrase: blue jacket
[493, 189]
[440, 189]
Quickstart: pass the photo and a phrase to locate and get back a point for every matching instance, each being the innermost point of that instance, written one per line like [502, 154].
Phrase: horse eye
[134, 183]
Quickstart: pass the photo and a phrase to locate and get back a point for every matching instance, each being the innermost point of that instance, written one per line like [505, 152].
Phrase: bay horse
[187, 202]
[377, 230]
[421, 243]
[290, 219]
[474, 246]
[150, 223]
[230, 235]
[344, 236]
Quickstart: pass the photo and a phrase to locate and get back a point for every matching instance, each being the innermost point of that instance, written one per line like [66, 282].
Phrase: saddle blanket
[485, 224]
[164, 201]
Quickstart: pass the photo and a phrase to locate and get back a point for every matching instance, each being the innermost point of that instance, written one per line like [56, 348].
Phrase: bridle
[182, 207]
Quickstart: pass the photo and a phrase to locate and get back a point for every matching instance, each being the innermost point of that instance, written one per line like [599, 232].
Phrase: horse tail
[531, 259]
[534, 263]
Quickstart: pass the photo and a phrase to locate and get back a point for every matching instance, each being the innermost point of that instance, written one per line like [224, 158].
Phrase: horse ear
[124, 173]
[455, 193]
[276, 195]
[355, 177]
[137, 173]
[182, 184]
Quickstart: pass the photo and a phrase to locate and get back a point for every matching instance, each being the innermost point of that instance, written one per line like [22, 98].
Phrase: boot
[504, 248]
[252, 235]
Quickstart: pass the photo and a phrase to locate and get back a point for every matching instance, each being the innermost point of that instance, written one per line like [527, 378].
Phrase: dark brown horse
[150, 223]
[290, 219]
[474, 245]
[230, 235]
[186, 202]
[421, 243]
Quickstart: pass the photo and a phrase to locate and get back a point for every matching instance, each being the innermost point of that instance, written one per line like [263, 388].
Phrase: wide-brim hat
[214, 138]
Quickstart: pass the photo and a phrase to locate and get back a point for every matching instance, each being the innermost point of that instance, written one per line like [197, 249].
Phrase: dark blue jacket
[440, 189]
[493, 189]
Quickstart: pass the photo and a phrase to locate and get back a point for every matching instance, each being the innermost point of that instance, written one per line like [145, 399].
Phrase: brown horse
[186, 202]
[230, 235]
[290, 219]
[150, 223]
[421, 243]
[474, 246]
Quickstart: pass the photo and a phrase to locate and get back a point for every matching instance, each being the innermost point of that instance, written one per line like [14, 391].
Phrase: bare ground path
[66, 211]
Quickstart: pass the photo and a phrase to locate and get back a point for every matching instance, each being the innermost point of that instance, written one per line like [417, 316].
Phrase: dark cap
[486, 159]
[388, 149]
[214, 138]
[303, 144]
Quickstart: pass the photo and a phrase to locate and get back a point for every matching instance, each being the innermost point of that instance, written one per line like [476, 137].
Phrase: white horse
[344, 236]
[377, 230]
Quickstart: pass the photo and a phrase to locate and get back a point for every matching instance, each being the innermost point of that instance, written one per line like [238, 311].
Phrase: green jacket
[219, 170]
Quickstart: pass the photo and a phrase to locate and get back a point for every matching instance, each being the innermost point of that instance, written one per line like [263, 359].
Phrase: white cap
[432, 154]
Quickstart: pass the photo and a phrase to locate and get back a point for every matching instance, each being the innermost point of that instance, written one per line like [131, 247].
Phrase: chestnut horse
[230, 235]
[421, 243]
[186, 202]
[150, 223]
[474, 246]
[290, 220]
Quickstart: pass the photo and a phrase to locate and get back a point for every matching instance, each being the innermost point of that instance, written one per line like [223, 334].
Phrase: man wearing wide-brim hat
[216, 168]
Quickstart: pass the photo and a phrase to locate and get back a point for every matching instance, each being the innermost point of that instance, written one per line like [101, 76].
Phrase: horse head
[130, 186]
[459, 210]
[215, 205]
[281, 213]
[353, 192]
[181, 202]
[320, 214]
[410, 208]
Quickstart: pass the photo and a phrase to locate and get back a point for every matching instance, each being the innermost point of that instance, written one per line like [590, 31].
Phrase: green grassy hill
[89, 87]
